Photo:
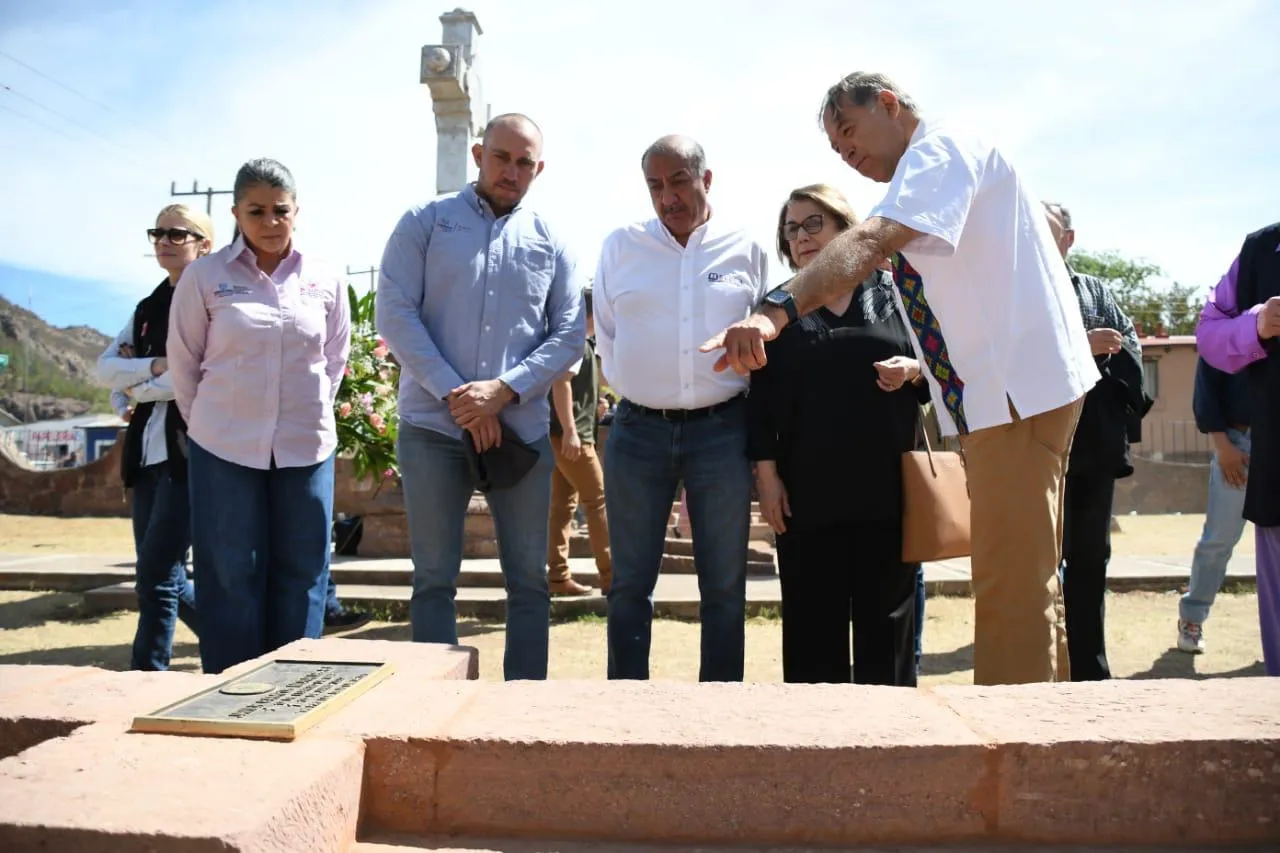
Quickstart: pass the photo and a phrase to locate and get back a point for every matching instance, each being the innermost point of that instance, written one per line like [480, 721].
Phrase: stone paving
[385, 582]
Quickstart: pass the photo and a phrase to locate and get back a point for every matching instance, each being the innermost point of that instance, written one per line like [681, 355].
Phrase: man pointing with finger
[997, 328]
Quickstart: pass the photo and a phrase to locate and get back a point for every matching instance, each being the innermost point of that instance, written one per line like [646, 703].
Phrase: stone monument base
[430, 752]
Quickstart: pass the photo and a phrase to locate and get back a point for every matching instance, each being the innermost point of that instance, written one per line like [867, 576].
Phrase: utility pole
[372, 272]
[207, 192]
[26, 358]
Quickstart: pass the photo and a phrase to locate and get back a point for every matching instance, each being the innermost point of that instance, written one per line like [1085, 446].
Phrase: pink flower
[346, 371]
[376, 420]
[388, 474]
[380, 351]
[344, 409]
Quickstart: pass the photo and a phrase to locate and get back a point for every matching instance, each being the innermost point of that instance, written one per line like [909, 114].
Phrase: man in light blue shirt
[481, 304]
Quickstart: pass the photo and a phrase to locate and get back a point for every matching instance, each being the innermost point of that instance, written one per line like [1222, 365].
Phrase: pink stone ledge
[1106, 763]
[430, 753]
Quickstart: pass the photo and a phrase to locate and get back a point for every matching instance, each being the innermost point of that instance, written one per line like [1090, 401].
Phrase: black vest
[1259, 280]
[150, 333]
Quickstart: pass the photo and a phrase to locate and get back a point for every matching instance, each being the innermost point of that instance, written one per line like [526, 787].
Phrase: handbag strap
[928, 449]
[924, 436]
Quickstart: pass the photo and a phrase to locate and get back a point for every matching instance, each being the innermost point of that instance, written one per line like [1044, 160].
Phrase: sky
[1155, 121]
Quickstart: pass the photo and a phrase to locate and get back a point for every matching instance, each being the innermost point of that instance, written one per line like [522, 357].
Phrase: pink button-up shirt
[256, 359]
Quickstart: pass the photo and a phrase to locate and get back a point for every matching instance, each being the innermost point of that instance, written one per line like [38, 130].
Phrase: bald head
[678, 147]
[517, 123]
[509, 157]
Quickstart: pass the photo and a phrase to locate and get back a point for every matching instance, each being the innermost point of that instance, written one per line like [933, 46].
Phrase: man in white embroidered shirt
[662, 286]
[997, 324]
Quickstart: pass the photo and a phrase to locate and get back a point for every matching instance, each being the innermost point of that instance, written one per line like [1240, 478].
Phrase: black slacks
[840, 575]
[1086, 551]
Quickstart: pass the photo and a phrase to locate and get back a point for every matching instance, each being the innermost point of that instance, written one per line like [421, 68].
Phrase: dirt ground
[1141, 535]
[48, 628]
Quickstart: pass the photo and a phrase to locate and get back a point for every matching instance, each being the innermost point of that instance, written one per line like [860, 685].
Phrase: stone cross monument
[451, 72]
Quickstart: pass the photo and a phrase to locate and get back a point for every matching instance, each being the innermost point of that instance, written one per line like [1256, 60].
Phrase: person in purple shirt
[258, 341]
[1238, 330]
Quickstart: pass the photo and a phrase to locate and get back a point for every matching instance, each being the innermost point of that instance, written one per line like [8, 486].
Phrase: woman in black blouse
[830, 416]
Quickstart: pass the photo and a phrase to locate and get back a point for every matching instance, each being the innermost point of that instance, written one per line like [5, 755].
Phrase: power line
[69, 120]
[38, 123]
[82, 95]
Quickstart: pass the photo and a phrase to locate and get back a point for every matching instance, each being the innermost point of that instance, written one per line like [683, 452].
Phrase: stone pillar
[451, 72]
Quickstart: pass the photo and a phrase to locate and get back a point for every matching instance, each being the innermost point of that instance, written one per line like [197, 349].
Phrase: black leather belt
[686, 414]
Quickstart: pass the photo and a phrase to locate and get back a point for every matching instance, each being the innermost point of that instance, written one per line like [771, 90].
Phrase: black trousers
[1086, 551]
[840, 575]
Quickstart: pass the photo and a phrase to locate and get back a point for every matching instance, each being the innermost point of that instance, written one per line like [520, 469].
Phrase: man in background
[1100, 455]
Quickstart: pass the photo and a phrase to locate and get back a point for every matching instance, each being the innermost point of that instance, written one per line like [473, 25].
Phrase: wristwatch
[782, 298]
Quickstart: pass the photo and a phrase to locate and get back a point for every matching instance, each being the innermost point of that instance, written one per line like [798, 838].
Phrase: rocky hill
[55, 364]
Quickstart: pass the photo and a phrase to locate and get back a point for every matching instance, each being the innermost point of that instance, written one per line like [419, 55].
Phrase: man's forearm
[844, 263]
[562, 402]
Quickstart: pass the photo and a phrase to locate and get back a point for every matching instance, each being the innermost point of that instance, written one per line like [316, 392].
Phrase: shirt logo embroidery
[311, 290]
[450, 227]
[224, 289]
[727, 277]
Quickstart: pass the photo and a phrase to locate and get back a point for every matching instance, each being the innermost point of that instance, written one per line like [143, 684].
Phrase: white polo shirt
[655, 302]
[993, 277]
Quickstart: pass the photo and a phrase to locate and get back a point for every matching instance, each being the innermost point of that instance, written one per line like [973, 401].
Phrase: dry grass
[48, 628]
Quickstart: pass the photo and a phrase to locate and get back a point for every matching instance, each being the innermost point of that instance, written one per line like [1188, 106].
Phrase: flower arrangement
[365, 409]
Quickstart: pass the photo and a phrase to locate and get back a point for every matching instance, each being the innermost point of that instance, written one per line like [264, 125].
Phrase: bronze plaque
[276, 701]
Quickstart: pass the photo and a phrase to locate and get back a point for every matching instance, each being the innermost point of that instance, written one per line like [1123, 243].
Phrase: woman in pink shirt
[258, 340]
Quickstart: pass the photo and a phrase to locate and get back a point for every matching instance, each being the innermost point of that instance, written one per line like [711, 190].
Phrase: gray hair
[859, 89]
[687, 150]
[1060, 210]
[263, 171]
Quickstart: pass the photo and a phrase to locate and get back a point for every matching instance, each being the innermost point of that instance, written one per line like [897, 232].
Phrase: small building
[1169, 431]
[65, 443]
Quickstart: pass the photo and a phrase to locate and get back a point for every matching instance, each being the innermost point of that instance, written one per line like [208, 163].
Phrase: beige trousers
[1016, 484]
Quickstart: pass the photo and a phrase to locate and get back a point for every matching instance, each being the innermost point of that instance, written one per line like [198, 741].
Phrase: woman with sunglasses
[154, 462]
[830, 416]
[259, 340]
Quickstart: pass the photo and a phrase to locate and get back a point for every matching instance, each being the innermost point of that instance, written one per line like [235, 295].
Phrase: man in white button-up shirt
[662, 287]
[996, 321]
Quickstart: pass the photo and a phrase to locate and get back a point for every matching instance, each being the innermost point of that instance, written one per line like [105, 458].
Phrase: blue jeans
[260, 547]
[919, 615]
[646, 457]
[437, 488]
[1223, 526]
[161, 537]
[332, 607]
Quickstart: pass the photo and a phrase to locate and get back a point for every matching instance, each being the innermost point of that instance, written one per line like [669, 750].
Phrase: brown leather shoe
[568, 586]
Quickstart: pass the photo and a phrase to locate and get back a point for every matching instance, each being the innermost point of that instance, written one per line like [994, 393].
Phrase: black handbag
[499, 467]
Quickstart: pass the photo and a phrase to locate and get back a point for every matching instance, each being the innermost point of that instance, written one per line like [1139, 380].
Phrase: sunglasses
[812, 224]
[177, 236]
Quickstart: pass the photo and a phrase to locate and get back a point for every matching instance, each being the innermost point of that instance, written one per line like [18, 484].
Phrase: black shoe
[345, 620]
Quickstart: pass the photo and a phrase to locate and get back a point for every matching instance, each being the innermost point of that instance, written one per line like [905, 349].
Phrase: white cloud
[1129, 112]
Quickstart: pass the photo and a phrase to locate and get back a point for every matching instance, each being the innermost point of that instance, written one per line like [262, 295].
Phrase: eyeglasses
[177, 236]
[811, 224]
